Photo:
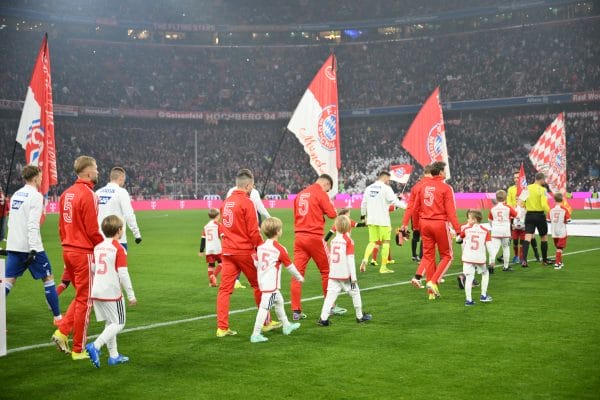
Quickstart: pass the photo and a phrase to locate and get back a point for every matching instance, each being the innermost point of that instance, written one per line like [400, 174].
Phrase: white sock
[356, 301]
[469, 286]
[485, 280]
[260, 319]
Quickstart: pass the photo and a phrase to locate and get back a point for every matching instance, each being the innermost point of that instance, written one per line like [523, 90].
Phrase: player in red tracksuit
[241, 236]
[309, 207]
[435, 209]
[79, 233]
[408, 216]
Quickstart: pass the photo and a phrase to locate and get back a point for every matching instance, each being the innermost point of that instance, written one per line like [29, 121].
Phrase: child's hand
[201, 254]
[301, 279]
[132, 302]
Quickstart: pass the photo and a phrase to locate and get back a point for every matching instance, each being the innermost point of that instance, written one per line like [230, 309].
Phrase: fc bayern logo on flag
[399, 173]
[327, 126]
[35, 141]
[435, 142]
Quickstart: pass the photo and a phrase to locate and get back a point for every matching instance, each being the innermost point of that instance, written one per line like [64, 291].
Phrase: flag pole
[268, 178]
[7, 186]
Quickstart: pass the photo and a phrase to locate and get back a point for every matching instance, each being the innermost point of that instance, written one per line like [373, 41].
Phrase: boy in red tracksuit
[79, 233]
[309, 207]
[435, 210]
[241, 236]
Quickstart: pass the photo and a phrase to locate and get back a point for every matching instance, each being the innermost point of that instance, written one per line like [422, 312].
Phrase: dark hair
[437, 167]
[116, 172]
[328, 178]
[539, 176]
[383, 173]
[558, 197]
[245, 173]
[427, 169]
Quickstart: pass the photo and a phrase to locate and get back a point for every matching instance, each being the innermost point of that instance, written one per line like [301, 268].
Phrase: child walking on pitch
[110, 274]
[558, 217]
[499, 217]
[342, 272]
[475, 238]
[269, 257]
[210, 245]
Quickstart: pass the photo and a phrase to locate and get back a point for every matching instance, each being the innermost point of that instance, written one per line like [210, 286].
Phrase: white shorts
[337, 286]
[269, 299]
[471, 269]
[110, 311]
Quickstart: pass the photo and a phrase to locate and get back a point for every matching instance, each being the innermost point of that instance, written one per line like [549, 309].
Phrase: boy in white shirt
[210, 245]
[270, 256]
[342, 273]
[558, 217]
[110, 274]
[499, 217]
[475, 238]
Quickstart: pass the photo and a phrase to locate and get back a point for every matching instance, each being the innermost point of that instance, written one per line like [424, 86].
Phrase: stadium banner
[463, 201]
[521, 181]
[401, 173]
[549, 155]
[36, 127]
[316, 123]
[426, 136]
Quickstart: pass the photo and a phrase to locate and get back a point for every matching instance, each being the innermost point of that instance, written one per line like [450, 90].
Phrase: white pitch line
[201, 317]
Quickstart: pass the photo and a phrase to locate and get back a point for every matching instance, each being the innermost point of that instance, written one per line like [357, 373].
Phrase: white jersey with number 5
[109, 257]
[341, 258]
[475, 238]
[499, 218]
[210, 233]
[270, 256]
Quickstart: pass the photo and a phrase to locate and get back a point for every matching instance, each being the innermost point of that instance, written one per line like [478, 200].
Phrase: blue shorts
[39, 268]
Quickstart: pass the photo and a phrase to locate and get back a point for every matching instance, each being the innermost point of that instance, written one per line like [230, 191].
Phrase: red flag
[36, 128]
[549, 155]
[401, 172]
[316, 124]
[426, 137]
[521, 181]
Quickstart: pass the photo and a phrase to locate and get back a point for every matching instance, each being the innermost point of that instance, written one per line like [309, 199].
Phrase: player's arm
[260, 207]
[327, 206]
[544, 201]
[36, 210]
[124, 278]
[392, 199]
[253, 231]
[363, 207]
[202, 243]
[294, 271]
[90, 220]
[129, 215]
[450, 208]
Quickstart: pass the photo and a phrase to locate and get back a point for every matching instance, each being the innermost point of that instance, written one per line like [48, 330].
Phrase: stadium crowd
[248, 12]
[484, 148]
[556, 58]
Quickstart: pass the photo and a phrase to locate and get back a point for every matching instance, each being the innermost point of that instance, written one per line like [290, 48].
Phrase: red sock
[376, 250]
[60, 288]
[558, 256]
[217, 270]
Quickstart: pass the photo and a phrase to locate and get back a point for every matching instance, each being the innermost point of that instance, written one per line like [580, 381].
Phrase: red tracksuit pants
[435, 233]
[77, 317]
[230, 268]
[307, 247]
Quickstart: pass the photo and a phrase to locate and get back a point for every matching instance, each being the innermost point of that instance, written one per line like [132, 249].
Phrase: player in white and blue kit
[113, 199]
[24, 243]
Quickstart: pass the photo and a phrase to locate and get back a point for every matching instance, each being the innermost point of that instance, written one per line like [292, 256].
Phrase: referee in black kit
[537, 209]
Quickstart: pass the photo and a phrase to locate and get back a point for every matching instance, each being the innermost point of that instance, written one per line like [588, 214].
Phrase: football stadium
[427, 174]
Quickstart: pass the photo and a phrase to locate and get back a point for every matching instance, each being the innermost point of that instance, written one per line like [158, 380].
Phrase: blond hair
[342, 224]
[111, 226]
[116, 173]
[271, 226]
[500, 195]
[82, 162]
[475, 214]
[213, 213]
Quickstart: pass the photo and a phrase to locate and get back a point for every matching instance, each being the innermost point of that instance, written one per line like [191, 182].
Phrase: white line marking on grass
[201, 317]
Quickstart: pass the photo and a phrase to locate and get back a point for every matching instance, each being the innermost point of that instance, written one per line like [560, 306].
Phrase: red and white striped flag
[36, 127]
[549, 155]
[426, 137]
[401, 173]
[316, 124]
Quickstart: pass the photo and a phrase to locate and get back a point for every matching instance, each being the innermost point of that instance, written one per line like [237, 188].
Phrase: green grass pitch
[539, 339]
